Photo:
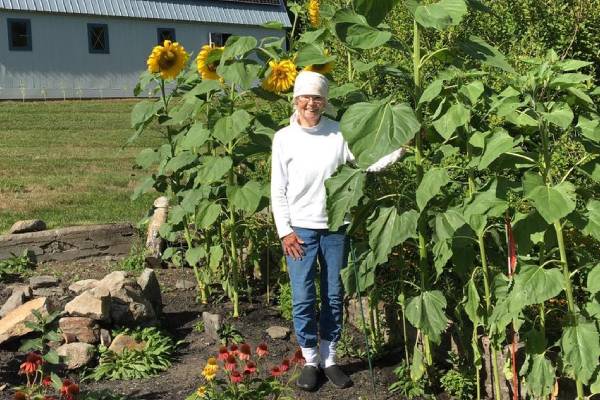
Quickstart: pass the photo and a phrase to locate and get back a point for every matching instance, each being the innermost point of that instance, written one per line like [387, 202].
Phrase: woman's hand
[292, 246]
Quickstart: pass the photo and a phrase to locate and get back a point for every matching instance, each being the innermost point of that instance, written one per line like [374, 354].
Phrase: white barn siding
[60, 64]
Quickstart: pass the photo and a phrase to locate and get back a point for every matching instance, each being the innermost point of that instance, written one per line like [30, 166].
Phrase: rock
[154, 242]
[129, 307]
[278, 332]
[49, 292]
[184, 284]
[43, 281]
[122, 342]
[93, 303]
[212, 324]
[115, 281]
[12, 325]
[83, 285]
[31, 225]
[20, 287]
[105, 338]
[77, 354]
[80, 329]
[150, 288]
[16, 299]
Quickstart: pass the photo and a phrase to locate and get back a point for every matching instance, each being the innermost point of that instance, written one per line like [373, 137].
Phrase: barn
[98, 48]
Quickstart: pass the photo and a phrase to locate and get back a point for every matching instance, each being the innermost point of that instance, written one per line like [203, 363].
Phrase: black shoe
[338, 377]
[308, 379]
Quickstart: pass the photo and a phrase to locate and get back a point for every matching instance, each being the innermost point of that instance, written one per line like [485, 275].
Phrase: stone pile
[92, 308]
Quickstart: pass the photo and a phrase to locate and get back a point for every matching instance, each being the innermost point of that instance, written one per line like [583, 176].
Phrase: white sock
[327, 350]
[311, 356]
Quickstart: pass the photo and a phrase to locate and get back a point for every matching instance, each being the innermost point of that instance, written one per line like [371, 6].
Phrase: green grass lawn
[64, 162]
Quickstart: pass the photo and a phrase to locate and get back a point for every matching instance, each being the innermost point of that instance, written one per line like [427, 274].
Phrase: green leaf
[572, 65]
[427, 313]
[311, 54]
[143, 112]
[473, 304]
[589, 128]
[592, 169]
[389, 229]
[147, 157]
[538, 284]
[212, 169]
[344, 190]
[580, 94]
[569, 79]
[216, 255]
[431, 185]
[143, 82]
[245, 197]
[313, 36]
[237, 46]
[242, 73]
[554, 203]
[180, 161]
[472, 91]
[593, 280]
[207, 214]
[478, 49]
[230, 127]
[354, 30]
[195, 137]
[496, 144]
[432, 91]
[143, 187]
[52, 357]
[418, 367]
[374, 11]
[195, 254]
[273, 25]
[580, 345]
[440, 15]
[376, 129]
[540, 378]
[457, 115]
[561, 115]
[337, 92]
[365, 267]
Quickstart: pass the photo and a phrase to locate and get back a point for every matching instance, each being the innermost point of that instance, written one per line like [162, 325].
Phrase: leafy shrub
[405, 386]
[459, 381]
[16, 267]
[229, 333]
[136, 364]
[199, 326]
[285, 300]
[135, 261]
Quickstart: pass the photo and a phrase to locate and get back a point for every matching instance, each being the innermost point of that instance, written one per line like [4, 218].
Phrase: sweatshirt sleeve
[378, 165]
[279, 181]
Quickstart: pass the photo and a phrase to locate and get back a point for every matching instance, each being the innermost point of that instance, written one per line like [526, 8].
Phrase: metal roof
[226, 12]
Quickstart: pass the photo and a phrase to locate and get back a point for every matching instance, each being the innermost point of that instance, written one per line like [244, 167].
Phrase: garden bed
[181, 313]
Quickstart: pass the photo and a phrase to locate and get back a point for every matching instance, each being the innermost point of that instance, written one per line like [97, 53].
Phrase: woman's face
[309, 109]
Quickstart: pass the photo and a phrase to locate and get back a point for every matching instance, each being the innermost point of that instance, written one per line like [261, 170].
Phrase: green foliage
[284, 299]
[45, 331]
[155, 357]
[199, 326]
[16, 267]
[459, 382]
[406, 387]
[135, 261]
[228, 333]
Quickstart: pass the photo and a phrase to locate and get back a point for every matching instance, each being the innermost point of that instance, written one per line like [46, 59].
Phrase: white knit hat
[311, 84]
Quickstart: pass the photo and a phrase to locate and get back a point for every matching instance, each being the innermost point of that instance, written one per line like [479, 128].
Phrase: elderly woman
[305, 154]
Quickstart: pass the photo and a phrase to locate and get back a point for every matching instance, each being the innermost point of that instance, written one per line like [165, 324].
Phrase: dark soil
[181, 312]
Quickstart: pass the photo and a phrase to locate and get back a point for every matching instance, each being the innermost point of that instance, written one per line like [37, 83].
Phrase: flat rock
[83, 285]
[30, 225]
[43, 281]
[150, 288]
[26, 289]
[16, 299]
[105, 337]
[13, 323]
[93, 303]
[122, 342]
[212, 324]
[184, 284]
[76, 355]
[115, 281]
[55, 291]
[278, 332]
[80, 329]
[128, 306]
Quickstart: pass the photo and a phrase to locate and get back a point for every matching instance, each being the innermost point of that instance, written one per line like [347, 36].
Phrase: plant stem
[234, 254]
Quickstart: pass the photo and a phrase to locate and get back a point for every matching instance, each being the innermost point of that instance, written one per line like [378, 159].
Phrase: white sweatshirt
[302, 159]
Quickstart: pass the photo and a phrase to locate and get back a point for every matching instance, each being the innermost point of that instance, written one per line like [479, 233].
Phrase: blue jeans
[330, 248]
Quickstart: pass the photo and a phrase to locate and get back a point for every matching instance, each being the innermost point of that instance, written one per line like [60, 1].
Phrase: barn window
[19, 34]
[165, 34]
[218, 39]
[98, 38]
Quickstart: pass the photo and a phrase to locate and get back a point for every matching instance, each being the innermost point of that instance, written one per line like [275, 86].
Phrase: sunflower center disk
[167, 60]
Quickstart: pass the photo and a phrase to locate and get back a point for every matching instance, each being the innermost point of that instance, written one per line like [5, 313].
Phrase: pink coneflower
[298, 357]
[245, 352]
[223, 353]
[250, 367]
[262, 350]
[235, 376]
[47, 381]
[276, 371]
[230, 363]
[31, 364]
[285, 365]
[69, 390]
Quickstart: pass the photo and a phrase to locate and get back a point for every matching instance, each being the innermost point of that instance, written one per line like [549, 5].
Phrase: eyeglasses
[304, 99]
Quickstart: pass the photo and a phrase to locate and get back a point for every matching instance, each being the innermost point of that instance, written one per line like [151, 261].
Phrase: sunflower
[313, 12]
[322, 69]
[201, 392]
[168, 59]
[207, 61]
[281, 76]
